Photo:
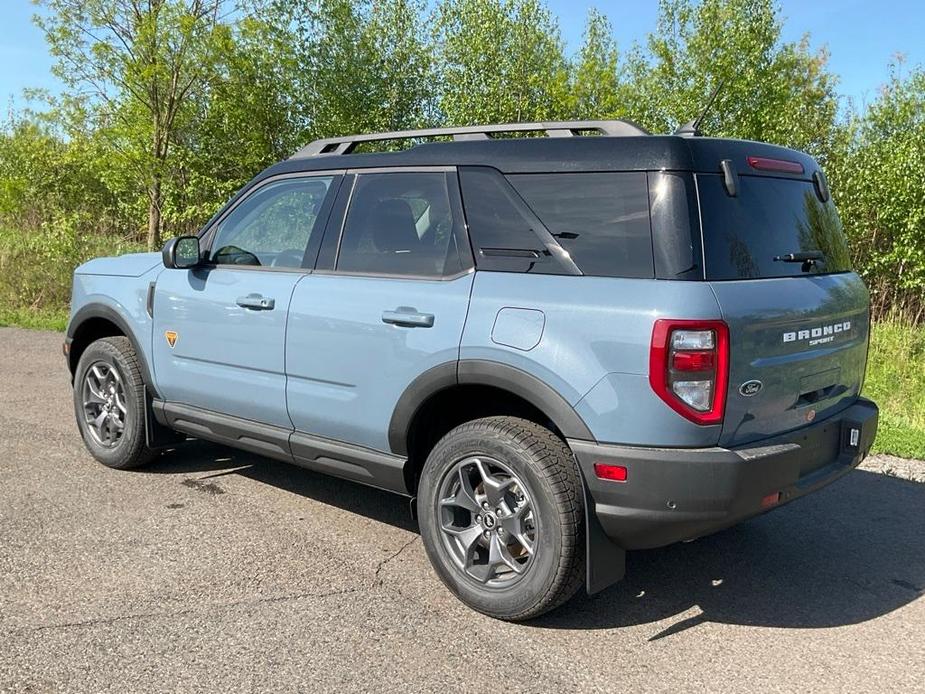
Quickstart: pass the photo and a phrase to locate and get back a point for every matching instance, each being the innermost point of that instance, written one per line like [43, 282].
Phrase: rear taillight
[689, 367]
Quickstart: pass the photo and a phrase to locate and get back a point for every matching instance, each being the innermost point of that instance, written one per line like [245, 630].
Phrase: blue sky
[862, 36]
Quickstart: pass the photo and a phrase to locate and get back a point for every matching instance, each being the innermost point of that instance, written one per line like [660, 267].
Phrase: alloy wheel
[487, 521]
[103, 396]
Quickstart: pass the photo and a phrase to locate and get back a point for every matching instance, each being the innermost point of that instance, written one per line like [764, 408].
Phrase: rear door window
[401, 224]
[768, 218]
[600, 219]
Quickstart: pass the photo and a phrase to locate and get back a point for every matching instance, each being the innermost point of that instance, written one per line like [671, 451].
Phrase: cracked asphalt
[214, 570]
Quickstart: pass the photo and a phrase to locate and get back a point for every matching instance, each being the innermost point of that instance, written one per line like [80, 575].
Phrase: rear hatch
[798, 330]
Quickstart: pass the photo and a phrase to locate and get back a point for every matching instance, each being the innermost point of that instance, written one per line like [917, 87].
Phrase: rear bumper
[674, 494]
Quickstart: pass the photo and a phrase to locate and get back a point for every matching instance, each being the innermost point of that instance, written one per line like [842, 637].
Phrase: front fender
[83, 318]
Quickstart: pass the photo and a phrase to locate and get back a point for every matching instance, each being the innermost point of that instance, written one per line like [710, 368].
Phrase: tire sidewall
[133, 436]
[523, 595]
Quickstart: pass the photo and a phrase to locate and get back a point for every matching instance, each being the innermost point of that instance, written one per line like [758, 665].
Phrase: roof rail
[345, 145]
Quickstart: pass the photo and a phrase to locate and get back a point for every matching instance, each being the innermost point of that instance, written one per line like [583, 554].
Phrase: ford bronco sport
[560, 348]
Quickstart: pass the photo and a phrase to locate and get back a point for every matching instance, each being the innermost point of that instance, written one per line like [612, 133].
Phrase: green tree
[358, 66]
[596, 88]
[499, 61]
[878, 187]
[141, 62]
[772, 90]
[248, 118]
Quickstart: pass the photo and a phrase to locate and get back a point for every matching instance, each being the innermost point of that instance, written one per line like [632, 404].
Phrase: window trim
[336, 226]
[208, 233]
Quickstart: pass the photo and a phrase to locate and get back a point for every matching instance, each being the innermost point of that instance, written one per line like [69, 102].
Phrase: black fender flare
[108, 313]
[488, 373]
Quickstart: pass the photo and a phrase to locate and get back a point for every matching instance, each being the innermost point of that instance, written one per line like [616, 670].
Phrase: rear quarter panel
[593, 348]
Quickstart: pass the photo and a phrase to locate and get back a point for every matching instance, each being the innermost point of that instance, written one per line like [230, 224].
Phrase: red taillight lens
[689, 367]
[614, 473]
[768, 164]
[693, 361]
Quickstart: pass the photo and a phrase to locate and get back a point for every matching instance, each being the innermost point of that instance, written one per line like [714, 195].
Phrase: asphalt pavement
[214, 570]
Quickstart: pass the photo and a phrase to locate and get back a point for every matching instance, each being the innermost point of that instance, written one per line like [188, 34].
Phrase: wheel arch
[479, 372]
[455, 392]
[95, 321]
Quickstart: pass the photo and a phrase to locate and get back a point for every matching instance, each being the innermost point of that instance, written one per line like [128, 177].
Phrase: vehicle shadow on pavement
[210, 462]
[849, 553]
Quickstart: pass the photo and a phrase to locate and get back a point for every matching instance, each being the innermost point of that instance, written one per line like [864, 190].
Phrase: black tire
[130, 449]
[547, 469]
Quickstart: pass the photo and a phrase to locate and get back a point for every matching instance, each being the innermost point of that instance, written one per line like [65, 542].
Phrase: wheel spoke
[105, 432]
[514, 526]
[99, 421]
[468, 540]
[493, 487]
[500, 555]
[94, 397]
[95, 383]
[465, 495]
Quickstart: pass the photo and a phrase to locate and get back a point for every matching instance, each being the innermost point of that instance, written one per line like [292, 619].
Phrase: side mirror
[182, 253]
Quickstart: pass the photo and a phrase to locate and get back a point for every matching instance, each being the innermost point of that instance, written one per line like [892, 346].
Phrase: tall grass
[896, 382]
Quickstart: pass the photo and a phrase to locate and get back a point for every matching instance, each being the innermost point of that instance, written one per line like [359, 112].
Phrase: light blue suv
[562, 347]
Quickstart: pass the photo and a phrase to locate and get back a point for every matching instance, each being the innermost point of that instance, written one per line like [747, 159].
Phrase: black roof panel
[541, 154]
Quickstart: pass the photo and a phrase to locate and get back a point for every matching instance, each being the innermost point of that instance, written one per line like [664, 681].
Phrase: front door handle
[408, 317]
[256, 302]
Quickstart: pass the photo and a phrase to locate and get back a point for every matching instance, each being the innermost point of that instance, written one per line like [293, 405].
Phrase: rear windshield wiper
[808, 258]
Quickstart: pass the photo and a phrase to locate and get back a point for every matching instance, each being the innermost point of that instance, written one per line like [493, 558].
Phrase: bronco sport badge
[818, 335]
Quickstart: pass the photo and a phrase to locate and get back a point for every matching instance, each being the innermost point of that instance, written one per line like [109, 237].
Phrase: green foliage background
[170, 106]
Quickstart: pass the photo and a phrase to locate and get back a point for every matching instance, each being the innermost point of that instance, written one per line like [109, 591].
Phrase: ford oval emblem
[750, 388]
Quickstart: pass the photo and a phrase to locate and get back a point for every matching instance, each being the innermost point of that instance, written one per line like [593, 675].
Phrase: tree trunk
[154, 215]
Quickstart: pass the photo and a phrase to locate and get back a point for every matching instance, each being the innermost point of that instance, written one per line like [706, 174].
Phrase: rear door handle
[256, 302]
[408, 317]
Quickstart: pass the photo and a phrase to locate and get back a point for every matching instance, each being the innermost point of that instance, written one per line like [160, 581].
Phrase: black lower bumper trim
[674, 494]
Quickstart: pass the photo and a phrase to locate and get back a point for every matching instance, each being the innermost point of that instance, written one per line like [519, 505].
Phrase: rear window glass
[769, 218]
[601, 219]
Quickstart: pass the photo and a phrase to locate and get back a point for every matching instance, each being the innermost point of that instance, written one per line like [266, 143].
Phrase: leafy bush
[36, 267]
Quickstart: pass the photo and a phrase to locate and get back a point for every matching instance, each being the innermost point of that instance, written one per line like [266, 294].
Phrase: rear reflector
[770, 500]
[614, 473]
[767, 164]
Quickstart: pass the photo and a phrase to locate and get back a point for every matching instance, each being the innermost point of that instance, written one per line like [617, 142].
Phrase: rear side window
[768, 218]
[600, 219]
[401, 224]
[504, 235]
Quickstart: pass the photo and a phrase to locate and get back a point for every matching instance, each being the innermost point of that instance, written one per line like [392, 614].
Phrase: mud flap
[605, 561]
[156, 434]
